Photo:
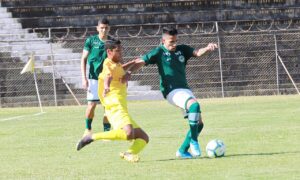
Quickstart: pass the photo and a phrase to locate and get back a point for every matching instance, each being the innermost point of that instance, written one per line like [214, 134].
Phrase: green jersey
[97, 54]
[171, 66]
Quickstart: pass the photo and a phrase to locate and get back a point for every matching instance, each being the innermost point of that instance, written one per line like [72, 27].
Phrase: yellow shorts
[117, 112]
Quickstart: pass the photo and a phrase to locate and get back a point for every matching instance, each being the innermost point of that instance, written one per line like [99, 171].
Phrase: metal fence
[247, 63]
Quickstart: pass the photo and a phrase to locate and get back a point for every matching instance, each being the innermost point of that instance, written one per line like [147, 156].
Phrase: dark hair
[112, 44]
[170, 31]
[103, 21]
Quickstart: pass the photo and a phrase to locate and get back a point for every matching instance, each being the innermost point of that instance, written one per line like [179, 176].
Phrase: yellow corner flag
[29, 67]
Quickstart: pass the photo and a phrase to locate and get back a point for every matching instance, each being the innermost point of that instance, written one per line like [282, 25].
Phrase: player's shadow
[235, 155]
[262, 154]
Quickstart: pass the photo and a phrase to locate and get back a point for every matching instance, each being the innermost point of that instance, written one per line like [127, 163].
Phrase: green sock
[194, 115]
[200, 127]
[194, 131]
[195, 128]
[88, 123]
[106, 126]
[186, 143]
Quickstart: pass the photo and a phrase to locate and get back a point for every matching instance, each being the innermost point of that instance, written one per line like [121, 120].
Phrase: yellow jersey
[117, 88]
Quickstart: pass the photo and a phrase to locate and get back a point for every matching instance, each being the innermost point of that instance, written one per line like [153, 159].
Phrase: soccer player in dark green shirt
[94, 55]
[171, 60]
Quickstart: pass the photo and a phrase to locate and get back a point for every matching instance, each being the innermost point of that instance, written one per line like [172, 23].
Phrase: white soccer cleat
[195, 148]
[129, 157]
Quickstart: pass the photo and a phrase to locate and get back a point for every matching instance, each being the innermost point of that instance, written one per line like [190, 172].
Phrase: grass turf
[261, 135]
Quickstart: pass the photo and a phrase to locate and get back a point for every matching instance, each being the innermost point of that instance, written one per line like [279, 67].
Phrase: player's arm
[85, 83]
[200, 52]
[107, 81]
[134, 65]
[127, 66]
[137, 65]
[130, 67]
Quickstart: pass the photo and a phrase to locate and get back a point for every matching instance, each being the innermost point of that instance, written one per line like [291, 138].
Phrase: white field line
[21, 117]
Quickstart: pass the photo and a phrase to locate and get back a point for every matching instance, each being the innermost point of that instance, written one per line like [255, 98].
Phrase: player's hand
[106, 91]
[126, 77]
[85, 84]
[211, 47]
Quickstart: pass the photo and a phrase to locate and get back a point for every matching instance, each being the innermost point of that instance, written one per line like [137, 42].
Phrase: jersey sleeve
[87, 44]
[188, 51]
[107, 69]
[151, 57]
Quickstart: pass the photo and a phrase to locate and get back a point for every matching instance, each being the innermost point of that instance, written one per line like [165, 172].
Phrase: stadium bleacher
[85, 14]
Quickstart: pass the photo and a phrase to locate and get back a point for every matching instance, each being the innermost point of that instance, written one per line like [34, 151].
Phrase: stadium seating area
[240, 53]
[85, 13]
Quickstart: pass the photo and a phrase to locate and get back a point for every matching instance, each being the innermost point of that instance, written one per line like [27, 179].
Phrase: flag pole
[29, 67]
[37, 91]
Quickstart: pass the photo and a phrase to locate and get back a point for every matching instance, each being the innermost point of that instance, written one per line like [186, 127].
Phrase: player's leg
[185, 99]
[196, 126]
[89, 114]
[93, 100]
[116, 134]
[140, 140]
[186, 144]
[106, 124]
[122, 130]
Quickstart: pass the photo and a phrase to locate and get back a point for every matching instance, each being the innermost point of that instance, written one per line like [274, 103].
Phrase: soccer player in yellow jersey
[112, 91]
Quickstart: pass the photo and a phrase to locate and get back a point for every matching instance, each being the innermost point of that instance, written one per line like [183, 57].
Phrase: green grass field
[261, 134]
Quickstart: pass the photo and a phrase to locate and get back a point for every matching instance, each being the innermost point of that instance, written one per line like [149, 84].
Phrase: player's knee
[146, 137]
[130, 134]
[194, 112]
[91, 107]
[194, 107]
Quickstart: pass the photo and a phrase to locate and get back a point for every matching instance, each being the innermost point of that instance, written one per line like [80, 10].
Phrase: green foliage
[261, 135]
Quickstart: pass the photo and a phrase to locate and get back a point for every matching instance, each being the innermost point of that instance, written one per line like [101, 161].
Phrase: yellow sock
[137, 146]
[118, 134]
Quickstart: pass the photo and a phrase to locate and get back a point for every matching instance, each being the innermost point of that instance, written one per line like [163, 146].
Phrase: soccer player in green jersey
[171, 60]
[94, 55]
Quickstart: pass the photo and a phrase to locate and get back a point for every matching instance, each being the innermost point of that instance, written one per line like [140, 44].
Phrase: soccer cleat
[129, 157]
[195, 148]
[87, 132]
[184, 155]
[84, 141]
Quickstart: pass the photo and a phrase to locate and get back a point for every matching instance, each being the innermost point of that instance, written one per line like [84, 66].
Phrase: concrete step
[67, 68]
[13, 31]
[3, 9]
[144, 95]
[12, 25]
[139, 88]
[5, 48]
[39, 48]
[75, 80]
[15, 37]
[6, 20]
[58, 63]
[5, 15]
[45, 57]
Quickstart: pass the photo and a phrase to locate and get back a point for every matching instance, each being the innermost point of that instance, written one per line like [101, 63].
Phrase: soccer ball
[215, 148]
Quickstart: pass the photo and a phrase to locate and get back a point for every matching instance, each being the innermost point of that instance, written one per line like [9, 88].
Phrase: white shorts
[178, 97]
[92, 92]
